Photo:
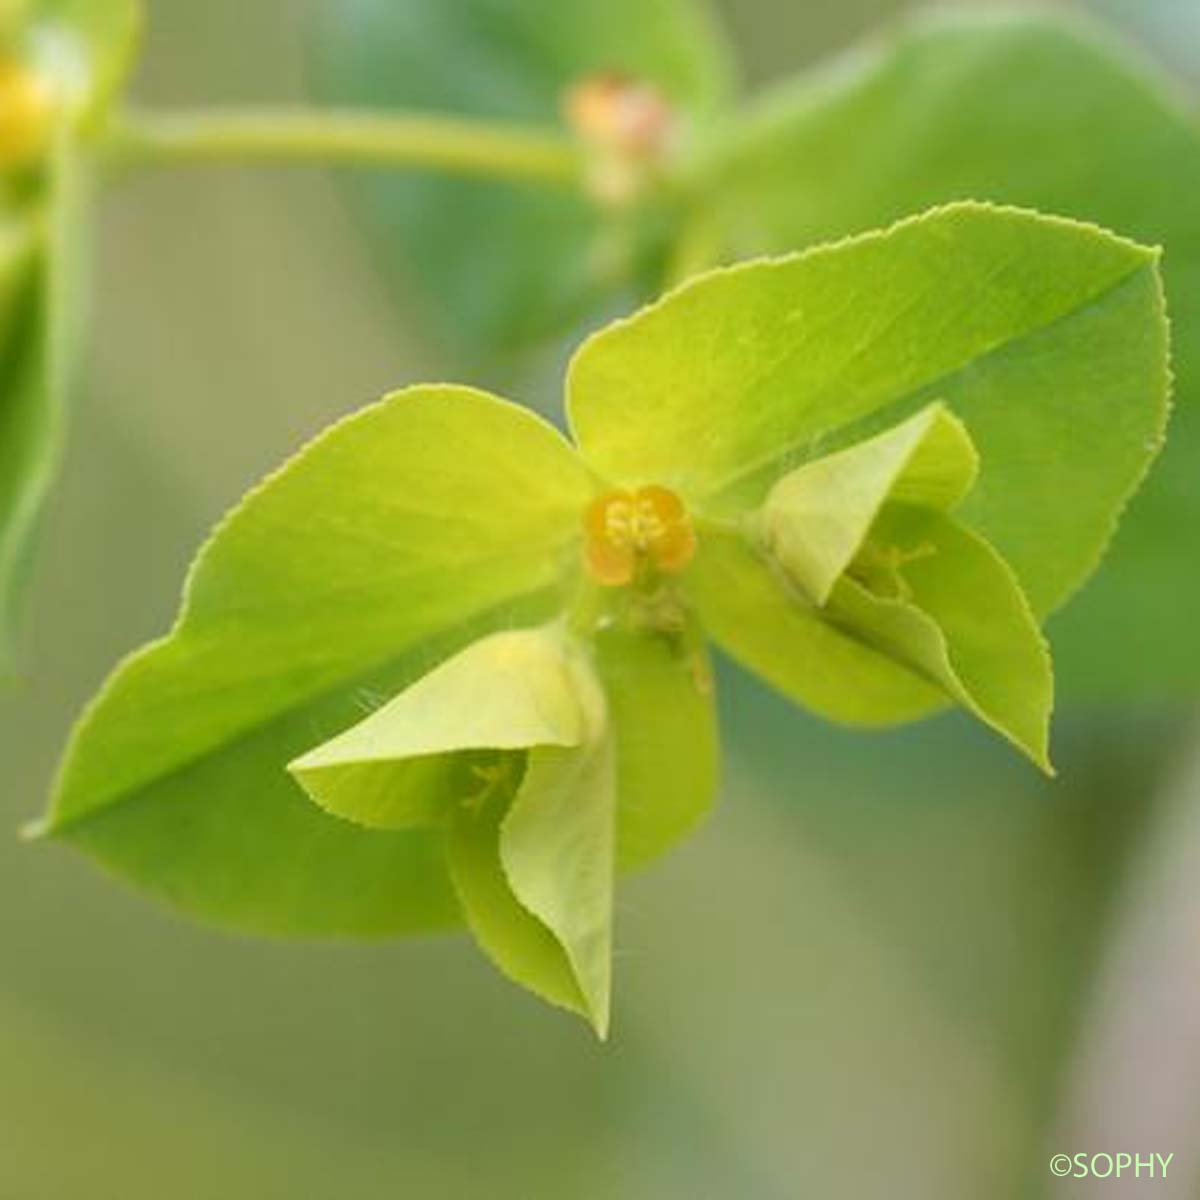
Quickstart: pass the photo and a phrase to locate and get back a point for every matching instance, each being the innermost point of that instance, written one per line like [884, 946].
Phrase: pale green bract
[557, 848]
[955, 613]
[865, 534]
[508, 692]
[816, 518]
[509, 744]
[893, 452]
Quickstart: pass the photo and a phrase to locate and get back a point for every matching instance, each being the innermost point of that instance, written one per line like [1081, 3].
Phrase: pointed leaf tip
[533, 863]
[951, 609]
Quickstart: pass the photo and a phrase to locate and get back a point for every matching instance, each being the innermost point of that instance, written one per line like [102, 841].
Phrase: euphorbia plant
[540, 165]
[1026, 104]
[446, 665]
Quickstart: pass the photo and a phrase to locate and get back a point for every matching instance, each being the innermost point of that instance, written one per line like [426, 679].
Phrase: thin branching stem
[347, 137]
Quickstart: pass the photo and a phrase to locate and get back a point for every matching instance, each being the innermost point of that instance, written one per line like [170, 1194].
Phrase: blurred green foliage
[875, 1001]
[61, 60]
[506, 266]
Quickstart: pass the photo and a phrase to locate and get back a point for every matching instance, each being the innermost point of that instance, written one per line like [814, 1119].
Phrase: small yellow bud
[629, 115]
[629, 128]
[26, 110]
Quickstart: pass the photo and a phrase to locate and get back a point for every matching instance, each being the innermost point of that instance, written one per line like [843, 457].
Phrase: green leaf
[775, 631]
[508, 744]
[816, 518]
[85, 46]
[864, 534]
[1045, 337]
[532, 836]
[557, 846]
[660, 700]
[18, 257]
[1023, 106]
[958, 617]
[404, 765]
[396, 538]
[503, 265]
[37, 363]
[514, 939]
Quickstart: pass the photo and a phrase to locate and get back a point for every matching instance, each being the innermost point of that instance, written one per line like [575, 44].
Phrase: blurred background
[891, 966]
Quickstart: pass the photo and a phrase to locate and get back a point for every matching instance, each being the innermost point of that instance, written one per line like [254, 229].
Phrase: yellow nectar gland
[26, 106]
[623, 530]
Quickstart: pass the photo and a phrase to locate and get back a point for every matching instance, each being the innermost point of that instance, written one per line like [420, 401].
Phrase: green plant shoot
[447, 666]
[60, 61]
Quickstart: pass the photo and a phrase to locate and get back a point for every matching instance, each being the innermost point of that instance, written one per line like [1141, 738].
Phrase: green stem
[445, 144]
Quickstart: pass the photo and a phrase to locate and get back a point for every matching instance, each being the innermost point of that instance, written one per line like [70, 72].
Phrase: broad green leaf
[394, 539]
[514, 939]
[1045, 337]
[660, 700]
[771, 628]
[959, 618]
[816, 518]
[1024, 106]
[557, 846]
[404, 766]
[502, 265]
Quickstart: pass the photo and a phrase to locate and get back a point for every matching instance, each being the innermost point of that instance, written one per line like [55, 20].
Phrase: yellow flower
[625, 529]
